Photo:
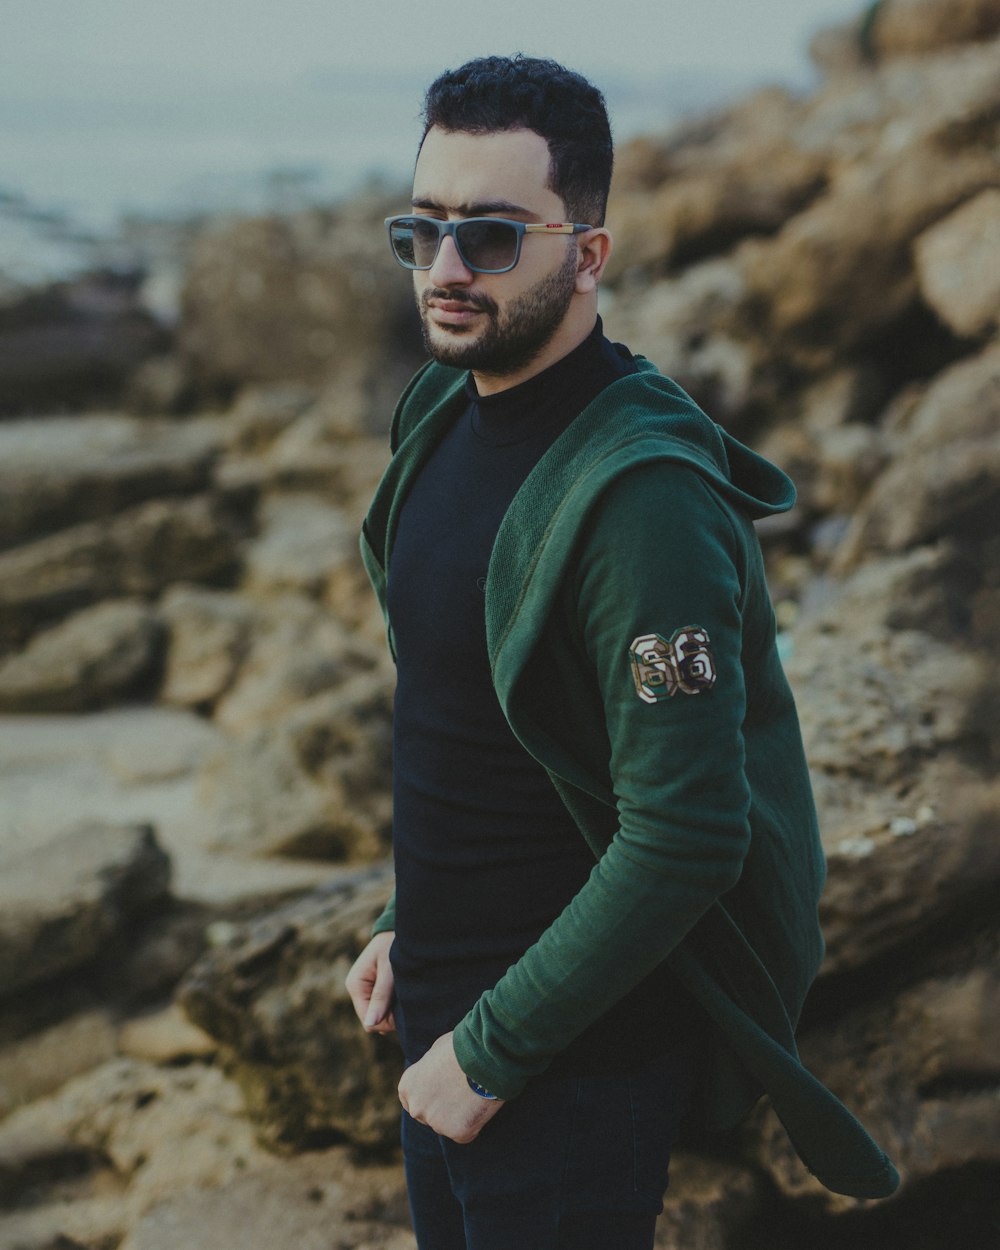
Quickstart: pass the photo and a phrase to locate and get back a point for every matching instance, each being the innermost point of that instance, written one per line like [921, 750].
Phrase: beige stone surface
[165, 1036]
[56, 471]
[61, 903]
[958, 263]
[139, 551]
[209, 634]
[273, 995]
[38, 1064]
[103, 655]
[905, 27]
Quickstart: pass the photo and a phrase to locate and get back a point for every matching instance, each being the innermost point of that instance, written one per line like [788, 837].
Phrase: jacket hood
[669, 415]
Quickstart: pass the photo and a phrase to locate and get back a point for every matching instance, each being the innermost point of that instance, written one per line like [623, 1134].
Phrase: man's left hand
[435, 1091]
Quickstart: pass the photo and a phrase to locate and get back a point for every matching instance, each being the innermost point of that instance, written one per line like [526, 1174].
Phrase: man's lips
[456, 312]
[451, 312]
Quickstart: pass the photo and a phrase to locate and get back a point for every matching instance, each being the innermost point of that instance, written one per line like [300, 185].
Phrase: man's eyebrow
[484, 208]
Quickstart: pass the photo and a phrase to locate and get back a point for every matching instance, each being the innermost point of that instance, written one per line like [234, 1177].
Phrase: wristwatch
[483, 1093]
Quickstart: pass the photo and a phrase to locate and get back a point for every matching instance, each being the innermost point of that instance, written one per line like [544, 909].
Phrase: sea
[100, 180]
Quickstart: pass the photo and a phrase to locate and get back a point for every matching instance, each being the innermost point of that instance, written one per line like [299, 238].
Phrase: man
[607, 862]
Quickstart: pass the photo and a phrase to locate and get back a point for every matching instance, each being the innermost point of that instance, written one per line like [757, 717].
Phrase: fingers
[370, 985]
[379, 1023]
[379, 1011]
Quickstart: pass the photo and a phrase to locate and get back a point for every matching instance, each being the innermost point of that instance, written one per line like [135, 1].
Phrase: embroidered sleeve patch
[663, 666]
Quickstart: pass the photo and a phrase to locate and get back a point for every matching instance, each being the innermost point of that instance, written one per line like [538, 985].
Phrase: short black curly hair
[496, 93]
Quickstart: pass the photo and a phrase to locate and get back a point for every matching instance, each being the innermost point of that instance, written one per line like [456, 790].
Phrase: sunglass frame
[444, 228]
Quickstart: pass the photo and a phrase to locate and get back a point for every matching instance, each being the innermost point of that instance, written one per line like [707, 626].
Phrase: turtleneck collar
[551, 398]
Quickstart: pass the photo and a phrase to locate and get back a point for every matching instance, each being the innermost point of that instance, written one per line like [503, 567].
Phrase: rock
[902, 865]
[161, 385]
[958, 269]
[62, 902]
[59, 471]
[139, 765]
[69, 1223]
[301, 539]
[320, 452]
[345, 739]
[918, 590]
[886, 675]
[73, 342]
[165, 1036]
[848, 459]
[878, 703]
[943, 478]
[892, 111]
[261, 801]
[296, 650]
[261, 413]
[103, 655]
[314, 784]
[144, 1131]
[289, 299]
[851, 250]
[35, 1066]
[908, 145]
[908, 27]
[132, 761]
[962, 403]
[894, 736]
[708, 1203]
[685, 326]
[916, 1062]
[313, 1203]
[209, 637]
[832, 468]
[138, 552]
[959, 496]
[849, 395]
[274, 997]
[833, 450]
[140, 969]
[716, 182]
[841, 51]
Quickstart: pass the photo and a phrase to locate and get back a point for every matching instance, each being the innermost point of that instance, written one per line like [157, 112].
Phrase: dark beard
[513, 338]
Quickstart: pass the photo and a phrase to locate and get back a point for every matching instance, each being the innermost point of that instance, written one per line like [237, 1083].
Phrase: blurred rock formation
[195, 694]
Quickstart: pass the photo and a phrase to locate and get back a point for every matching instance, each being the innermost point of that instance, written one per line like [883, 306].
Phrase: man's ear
[595, 249]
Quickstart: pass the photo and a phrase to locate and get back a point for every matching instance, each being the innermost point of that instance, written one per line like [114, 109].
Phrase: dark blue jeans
[574, 1163]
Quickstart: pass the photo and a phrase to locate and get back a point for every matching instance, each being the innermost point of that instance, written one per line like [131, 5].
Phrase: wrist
[480, 1092]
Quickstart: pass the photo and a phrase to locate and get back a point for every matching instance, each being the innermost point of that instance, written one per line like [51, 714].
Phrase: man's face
[494, 324]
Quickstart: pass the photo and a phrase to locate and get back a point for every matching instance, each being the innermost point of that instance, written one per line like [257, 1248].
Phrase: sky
[112, 105]
[266, 36]
[265, 39]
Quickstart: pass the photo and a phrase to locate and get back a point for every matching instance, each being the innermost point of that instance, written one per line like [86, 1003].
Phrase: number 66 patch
[663, 666]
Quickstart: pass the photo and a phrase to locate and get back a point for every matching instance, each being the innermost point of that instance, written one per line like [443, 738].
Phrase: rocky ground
[194, 695]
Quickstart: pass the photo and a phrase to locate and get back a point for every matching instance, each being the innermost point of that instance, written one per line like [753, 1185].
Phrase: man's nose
[449, 269]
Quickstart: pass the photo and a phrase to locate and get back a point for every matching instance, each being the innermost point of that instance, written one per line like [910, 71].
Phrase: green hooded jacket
[632, 645]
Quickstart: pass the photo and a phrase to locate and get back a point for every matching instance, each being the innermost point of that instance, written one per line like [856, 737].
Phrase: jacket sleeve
[386, 921]
[660, 560]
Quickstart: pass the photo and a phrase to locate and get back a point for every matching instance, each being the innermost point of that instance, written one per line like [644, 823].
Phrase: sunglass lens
[426, 237]
[414, 240]
[487, 245]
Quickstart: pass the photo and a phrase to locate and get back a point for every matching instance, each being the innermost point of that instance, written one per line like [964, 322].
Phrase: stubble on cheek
[508, 340]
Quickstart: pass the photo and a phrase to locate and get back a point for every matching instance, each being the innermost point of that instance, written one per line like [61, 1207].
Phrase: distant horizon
[201, 156]
[132, 110]
[120, 105]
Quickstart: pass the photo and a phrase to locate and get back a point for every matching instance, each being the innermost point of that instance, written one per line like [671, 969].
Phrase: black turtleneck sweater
[486, 855]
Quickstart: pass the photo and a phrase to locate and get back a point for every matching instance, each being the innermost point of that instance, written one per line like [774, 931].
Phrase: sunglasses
[485, 244]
